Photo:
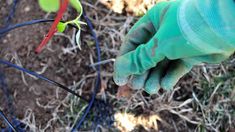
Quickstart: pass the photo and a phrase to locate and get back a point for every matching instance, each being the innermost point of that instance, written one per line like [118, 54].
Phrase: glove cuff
[208, 22]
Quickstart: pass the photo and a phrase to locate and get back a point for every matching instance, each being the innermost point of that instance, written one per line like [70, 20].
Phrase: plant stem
[63, 7]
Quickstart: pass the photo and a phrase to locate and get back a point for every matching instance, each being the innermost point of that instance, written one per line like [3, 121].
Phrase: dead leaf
[126, 122]
[116, 5]
[134, 7]
[103, 86]
[124, 91]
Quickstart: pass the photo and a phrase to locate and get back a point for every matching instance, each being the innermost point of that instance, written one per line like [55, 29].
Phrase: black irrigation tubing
[12, 13]
[97, 86]
[42, 78]
[7, 121]
[32, 22]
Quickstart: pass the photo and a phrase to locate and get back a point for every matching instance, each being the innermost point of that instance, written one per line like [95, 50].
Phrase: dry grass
[204, 100]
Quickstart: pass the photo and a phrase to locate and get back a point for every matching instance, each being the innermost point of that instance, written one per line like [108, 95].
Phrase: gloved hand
[173, 37]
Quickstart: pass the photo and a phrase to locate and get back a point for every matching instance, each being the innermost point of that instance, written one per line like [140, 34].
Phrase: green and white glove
[171, 38]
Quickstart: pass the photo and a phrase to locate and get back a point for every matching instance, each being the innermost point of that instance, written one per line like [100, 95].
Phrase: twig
[102, 62]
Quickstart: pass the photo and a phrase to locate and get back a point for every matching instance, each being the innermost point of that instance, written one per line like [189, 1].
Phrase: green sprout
[53, 6]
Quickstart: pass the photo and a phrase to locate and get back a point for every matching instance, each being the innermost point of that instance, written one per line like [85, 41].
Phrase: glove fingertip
[152, 88]
[137, 81]
[136, 86]
[167, 85]
[120, 81]
[151, 91]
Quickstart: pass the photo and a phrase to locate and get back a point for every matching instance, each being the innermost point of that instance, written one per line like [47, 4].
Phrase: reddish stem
[53, 29]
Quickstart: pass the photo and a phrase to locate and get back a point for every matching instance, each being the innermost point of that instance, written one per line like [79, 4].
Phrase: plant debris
[124, 91]
[134, 7]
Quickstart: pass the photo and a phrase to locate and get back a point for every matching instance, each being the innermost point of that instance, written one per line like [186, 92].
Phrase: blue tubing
[98, 68]
[7, 121]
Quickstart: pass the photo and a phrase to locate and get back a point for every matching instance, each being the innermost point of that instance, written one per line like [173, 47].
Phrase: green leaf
[49, 5]
[77, 5]
[61, 27]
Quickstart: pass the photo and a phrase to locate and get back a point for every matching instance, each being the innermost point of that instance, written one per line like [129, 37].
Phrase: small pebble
[9, 35]
[27, 9]
[5, 41]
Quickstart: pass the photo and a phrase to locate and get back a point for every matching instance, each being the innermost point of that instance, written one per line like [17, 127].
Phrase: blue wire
[97, 86]
[41, 77]
[11, 27]
[7, 121]
[11, 14]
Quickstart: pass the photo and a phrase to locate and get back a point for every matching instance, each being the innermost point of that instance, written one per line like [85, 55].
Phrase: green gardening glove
[173, 37]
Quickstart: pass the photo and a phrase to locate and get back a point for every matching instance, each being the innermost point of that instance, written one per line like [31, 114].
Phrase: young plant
[61, 6]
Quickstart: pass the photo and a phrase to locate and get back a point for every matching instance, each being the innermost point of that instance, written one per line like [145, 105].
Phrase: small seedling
[53, 6]
[77, 5]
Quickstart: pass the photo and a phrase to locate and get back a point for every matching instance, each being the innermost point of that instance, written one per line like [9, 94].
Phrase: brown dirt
[22, 42]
